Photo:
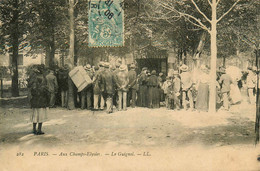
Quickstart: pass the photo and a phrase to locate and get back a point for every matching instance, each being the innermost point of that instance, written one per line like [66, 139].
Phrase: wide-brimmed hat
[153, 72]
[123, 68]
[106, 64]
[184, 68]
[87, 67]
[101, 64]
[132, 66]
[160, 74]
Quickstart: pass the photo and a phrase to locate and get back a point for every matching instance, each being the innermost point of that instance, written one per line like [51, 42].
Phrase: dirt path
[175, 140]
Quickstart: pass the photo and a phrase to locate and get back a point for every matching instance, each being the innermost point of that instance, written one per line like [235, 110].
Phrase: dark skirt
[142, 96]
[202, 102]
[153, 97]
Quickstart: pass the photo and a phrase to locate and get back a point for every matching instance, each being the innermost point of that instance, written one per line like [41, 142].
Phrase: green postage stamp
[106, 23]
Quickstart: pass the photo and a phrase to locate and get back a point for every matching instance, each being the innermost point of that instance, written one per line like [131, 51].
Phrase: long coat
[39, 92]
[98, 85]
[132, 79]
[109, 82]
[122, 80]
[153, 92]
[52, 83]
[63, 79]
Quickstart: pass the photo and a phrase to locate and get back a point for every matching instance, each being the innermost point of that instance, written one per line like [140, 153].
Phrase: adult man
[87, 92]
[63, 84]
[116, 70]
[142, 94]
[52, 85]
[132, 85]
[122, 81]
[186, 83]
[225, 81]
[109, 90]
[98, 87]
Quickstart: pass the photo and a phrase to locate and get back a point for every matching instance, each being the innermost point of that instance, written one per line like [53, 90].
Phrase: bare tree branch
[198, 9]
[188, 19]
[77, 1]
[210, 3]
[228, 10]
[185, 15]
[217, 2]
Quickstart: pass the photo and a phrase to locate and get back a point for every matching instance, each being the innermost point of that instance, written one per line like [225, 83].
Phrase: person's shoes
[40, 133]
[34, 132]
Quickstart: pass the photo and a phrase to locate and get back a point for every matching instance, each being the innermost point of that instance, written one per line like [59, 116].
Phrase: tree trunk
[15, 45]
[213, 62]
[50, 51]
[196, 55]
[71, 104]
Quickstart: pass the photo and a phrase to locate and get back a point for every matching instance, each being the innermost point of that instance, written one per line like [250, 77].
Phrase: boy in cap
[225, 82]
[166, 90]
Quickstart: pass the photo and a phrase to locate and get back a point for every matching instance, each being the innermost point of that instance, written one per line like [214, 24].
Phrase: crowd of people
[120, 87]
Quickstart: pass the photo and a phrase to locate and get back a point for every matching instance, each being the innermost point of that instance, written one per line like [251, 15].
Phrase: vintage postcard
[122, 85]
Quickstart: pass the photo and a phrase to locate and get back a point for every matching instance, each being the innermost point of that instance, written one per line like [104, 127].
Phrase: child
[174, 92]
[166, 87]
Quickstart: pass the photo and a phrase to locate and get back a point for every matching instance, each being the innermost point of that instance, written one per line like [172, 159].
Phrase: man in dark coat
[87, 92]
[52, 85]
[142, 94]
[109, 82]
[132, 86]
[153, 91]
[115, 97]
[63, 85]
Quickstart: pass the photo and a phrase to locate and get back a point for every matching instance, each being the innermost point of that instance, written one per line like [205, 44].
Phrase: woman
[39, 101]
[202, 102]
[153, 91]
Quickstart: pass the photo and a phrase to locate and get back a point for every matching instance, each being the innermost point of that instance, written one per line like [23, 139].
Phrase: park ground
[136, 139]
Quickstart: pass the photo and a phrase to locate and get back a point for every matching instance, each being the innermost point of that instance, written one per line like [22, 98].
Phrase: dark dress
[153, 92]
[142, 94]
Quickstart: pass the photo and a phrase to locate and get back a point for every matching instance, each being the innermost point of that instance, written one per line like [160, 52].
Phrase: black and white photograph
[129, 85]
